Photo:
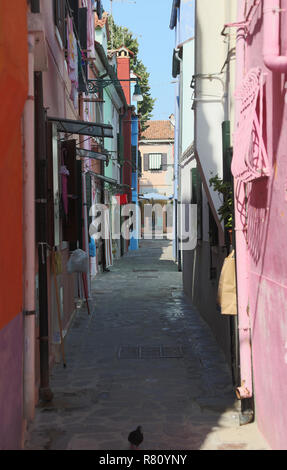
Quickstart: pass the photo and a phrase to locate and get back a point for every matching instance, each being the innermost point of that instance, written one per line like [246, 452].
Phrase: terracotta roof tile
[158, 130]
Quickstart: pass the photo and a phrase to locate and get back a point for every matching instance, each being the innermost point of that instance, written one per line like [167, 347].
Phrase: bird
[135, 438]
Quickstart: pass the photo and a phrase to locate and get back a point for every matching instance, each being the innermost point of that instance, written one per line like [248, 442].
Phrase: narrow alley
[122, 120]
[143, 357]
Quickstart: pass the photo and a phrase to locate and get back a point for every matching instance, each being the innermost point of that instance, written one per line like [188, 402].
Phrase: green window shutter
[213, 229]
[194, 178]
[199, 204]
[120, 147]
[227, 176]
[227, 159]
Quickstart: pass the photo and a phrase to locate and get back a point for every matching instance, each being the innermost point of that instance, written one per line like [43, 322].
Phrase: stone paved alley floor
[143, 357]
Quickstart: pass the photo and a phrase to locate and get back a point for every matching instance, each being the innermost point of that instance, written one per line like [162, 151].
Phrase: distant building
[157, 169]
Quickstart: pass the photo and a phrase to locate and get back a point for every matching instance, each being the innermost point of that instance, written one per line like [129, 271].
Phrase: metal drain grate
[147, 277]
[128, 352]
[145, 270]
[172, 352]
[150, 352]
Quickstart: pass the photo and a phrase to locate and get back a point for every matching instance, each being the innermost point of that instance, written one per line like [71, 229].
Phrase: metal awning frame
[92, 129]
[91, 154]
[108, 180]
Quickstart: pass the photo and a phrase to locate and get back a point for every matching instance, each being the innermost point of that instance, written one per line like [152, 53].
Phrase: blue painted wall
[134, 242]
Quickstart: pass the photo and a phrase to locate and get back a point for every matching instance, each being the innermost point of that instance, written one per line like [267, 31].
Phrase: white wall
[212, 104]
[187, 126]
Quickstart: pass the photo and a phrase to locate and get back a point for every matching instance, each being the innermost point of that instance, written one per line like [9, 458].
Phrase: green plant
[121, 36]
[224, 188]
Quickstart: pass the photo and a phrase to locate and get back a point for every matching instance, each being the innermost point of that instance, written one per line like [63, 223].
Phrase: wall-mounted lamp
[137, 96]
[95, 86]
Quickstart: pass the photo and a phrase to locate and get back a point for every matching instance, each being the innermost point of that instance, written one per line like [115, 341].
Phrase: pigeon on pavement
[135, 438]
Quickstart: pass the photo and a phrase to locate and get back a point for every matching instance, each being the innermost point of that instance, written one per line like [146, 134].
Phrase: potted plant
[224, 188]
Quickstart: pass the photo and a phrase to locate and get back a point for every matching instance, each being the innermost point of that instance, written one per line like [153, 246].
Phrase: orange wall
[13, 86]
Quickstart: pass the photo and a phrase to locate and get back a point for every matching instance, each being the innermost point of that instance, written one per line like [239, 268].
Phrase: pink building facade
[157, 140]
[259, 168]
[157, 173]
[54, 116]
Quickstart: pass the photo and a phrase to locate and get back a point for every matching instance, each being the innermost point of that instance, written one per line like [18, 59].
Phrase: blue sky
[149, 21]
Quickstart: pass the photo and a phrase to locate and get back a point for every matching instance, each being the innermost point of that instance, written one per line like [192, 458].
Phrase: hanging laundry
[90, 25]
[72, 62]
[122, 199]
[93, 258]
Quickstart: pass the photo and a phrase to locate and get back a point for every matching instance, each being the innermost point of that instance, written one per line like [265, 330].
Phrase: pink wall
[159, 181]
[267, 249]
[56, 89]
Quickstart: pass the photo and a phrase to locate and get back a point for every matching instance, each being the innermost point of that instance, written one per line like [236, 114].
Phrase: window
[155, 162]
[59, 19]
[71, 200]
[35, 6]
[250, 160]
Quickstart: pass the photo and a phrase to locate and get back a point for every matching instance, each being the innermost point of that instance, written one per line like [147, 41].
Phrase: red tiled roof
[158, 130]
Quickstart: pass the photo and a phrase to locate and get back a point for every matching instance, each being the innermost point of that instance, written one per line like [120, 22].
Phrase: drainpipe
[42, 235]
[177, 231]
[179, 201]
[245, 390]
[271, 40]
[85, 204]
[29, 243]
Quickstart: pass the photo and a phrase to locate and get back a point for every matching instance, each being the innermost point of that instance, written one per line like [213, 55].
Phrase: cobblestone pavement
[143, 357]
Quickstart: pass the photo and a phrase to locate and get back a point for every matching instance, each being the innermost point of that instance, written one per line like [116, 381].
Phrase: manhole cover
[150, 352]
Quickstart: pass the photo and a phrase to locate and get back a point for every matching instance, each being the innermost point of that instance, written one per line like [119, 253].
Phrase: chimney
[123, 70]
